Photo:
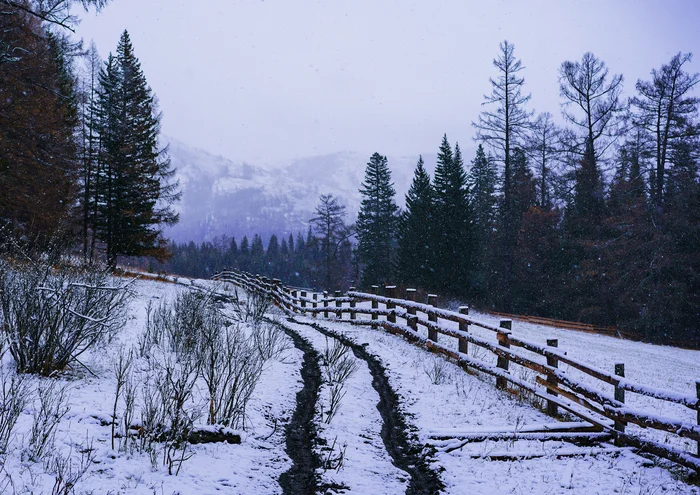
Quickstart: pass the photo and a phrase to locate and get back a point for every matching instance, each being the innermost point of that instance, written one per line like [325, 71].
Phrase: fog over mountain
[220, 196]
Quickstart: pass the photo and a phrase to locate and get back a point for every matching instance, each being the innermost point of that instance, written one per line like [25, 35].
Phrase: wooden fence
[557, 389]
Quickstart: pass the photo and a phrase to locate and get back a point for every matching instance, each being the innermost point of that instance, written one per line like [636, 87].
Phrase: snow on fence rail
[558, 388]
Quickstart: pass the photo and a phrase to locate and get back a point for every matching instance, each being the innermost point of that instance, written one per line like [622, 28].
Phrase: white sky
[270, 80]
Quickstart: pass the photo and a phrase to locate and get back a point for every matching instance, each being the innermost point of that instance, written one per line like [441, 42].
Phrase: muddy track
[300, 433]
[405, 454]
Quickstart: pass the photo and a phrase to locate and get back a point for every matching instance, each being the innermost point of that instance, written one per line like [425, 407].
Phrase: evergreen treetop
[377, 222]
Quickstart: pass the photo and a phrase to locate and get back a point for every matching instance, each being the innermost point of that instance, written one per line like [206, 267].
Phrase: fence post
[325, 303]
[353, 315]
[277, 289]
[432, 334]
[315, 304]
[502, 362]
[338, 304]
[620, 394]
[552, 361]
[391, 293]
[375, 304]
[697, 393]
[463, 327]
[411, 296]
[412, 321]
[303, 303]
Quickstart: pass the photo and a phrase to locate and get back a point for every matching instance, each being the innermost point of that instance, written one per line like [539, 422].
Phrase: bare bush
[250, 307]
[437, 369]
[50, 316]
[168, 413]
[121, 374]
[53, 406]
[68, 471]
[14, 393]
[339, 366]
[270, 340]
[232, 366]
[182, 323]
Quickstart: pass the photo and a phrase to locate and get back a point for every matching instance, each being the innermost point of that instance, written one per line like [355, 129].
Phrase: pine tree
[588, 204]
[331, 232]
[524, 187]
[257, 254]
[273, 254]
[483, 181]
[135, 192]
[377, 223]
[414, 243]
[454, 243]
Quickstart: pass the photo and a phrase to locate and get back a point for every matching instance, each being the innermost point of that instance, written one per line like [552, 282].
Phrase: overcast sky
[268, 81]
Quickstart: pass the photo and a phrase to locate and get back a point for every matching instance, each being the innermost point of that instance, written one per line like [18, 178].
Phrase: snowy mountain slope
[236, 199]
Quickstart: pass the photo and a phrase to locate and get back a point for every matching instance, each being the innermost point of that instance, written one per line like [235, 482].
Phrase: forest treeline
[597, 220]
[81, 164]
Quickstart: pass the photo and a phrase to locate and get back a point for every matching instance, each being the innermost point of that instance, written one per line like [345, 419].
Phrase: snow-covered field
[434, 396]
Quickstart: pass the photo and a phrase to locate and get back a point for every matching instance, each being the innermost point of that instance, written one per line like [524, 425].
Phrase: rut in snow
[405, 454]
[300, 433]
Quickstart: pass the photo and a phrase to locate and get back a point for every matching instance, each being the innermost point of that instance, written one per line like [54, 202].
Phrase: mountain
[220, 196]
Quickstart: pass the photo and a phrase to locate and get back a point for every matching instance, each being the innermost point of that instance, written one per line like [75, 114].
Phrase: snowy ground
[252, 467]
[465, 402]
[435, 396]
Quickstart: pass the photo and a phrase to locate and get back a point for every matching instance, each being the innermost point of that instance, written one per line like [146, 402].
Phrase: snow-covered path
[433, 395]
[438, 395]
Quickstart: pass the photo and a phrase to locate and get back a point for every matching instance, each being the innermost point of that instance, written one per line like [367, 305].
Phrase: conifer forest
[296, 247]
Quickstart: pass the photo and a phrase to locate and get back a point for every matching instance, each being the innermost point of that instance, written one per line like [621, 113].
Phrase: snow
[470, 402]
[355, 429]
[252, 467]
[441, 402]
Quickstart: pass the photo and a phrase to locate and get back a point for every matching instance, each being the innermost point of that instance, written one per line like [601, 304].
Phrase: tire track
[300, 433]
[396, 436]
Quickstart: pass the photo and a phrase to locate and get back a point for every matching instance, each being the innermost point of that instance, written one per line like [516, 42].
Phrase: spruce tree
[414, 243]
[483, 181]
[377, 223]
[453, 238]
[135, 190]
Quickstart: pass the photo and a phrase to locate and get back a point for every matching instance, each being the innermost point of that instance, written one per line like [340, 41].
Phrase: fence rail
[557, 388]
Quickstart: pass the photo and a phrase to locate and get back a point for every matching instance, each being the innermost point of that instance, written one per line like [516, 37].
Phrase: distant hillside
[236, 199]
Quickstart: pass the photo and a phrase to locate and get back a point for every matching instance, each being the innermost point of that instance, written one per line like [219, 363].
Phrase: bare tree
[52, 11]
[330, 230]
[666, 113]
[503, 128]
[544, 148]
[592, 104]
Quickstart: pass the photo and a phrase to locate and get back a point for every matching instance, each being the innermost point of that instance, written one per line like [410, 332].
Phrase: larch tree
[667, 113]
[592, 104]
[39, 122]
[503, 126]
[414, 242]
[377, 223]
[544, 147]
